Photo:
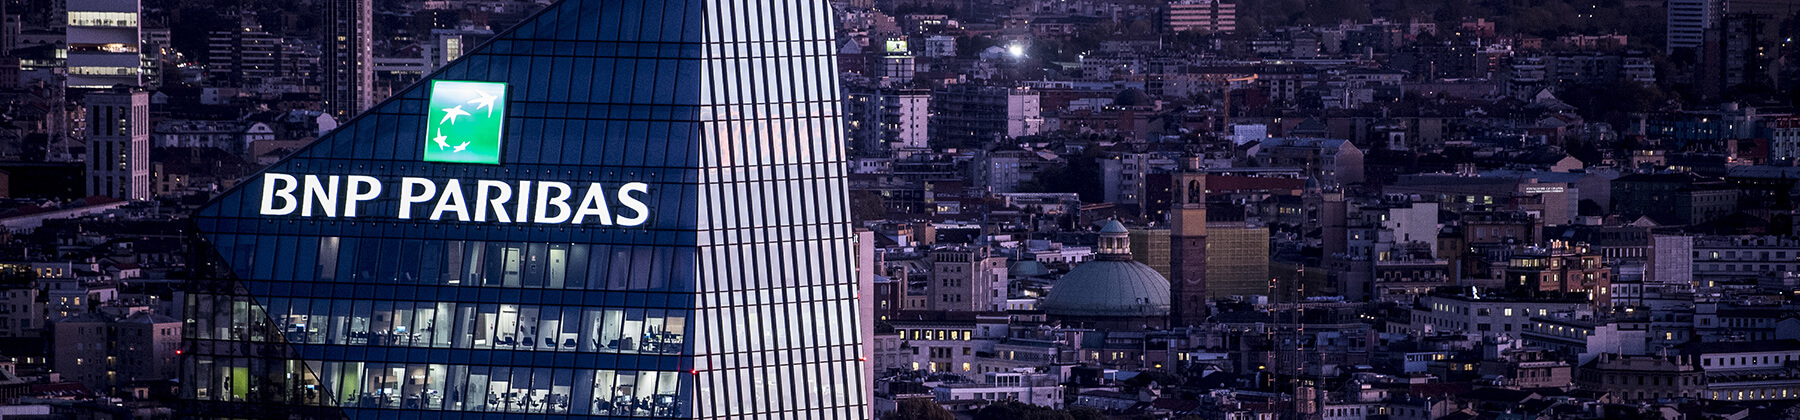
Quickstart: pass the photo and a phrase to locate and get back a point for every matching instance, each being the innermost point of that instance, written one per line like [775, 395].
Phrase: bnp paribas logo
[465, 122]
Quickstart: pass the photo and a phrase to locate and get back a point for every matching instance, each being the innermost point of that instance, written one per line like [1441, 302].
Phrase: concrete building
[1784, 139]
[348, 61]
[1489, 315]
[1125, 176]
[1689, 20]
[146, 346]
[118, 144]
[966, 114]
[1677, 197]
[103, 42]
[1582, 338]
[243, 55]
[883, 121]
[1717, 258]
[1641, 378]
[1748, 371]
[82, 350]
[1201, 16]
[966, 279]
[1331, 161]
[1031, 388]
[22, 314]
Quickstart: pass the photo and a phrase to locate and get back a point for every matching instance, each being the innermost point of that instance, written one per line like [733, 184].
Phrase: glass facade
[731, 294]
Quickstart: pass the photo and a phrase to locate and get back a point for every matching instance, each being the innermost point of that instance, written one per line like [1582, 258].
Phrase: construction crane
[1228, 85]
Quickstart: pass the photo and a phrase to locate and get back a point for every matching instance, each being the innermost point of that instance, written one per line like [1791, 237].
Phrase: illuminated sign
[896, 45]
[455, 199]
[464, 121]
[1543, 190]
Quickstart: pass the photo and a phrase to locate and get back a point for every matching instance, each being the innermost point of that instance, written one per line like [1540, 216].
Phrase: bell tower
[1187, 245]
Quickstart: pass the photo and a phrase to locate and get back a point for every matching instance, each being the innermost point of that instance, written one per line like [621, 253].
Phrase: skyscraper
[1187, 245]
[348, 57]
[616, 208]
[103, 42]
[118, 144]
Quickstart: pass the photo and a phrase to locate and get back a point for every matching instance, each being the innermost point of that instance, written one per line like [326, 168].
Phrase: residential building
[1748, 371]
[1201, 16]
[347, 64]
[1717, 258]
[1683, 198]
[1642, 378]
[885, 121]
[1690, 20]
[1560, 268]
[964, 115]
[1487, 315]
[966, 279]
[118, 144]
[1330, 161]
[1030, 388]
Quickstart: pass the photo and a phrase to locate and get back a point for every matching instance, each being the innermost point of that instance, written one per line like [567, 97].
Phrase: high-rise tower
[347, 62]
[1187, 245]
[617, 208]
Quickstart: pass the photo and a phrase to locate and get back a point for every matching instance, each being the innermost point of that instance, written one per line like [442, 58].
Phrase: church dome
[1112, 285]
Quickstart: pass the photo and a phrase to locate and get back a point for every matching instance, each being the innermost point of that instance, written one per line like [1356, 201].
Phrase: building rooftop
[1741, 347]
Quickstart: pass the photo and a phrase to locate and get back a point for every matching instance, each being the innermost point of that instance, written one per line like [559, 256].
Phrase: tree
[920, 409]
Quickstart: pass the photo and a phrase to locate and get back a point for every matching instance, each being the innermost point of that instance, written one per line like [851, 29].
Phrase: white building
[103, 44]
[1487, 316]
[1688, 21]
[1743, 257]
[1586, 339]
[118, 144]
[1030, 388]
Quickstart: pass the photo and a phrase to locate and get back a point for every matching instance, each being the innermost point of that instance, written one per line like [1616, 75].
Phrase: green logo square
[464, 122]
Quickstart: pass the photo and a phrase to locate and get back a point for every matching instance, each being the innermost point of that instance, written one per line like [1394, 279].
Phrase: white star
[459, 148]
[451, 113]
[440, 139]
[485, 101]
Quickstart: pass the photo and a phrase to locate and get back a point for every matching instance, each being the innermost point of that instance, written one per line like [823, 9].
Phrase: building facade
[103, 41]
[348, 60]
[609, 231]
[966, 279]
[1202, 16]
[118, 142]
